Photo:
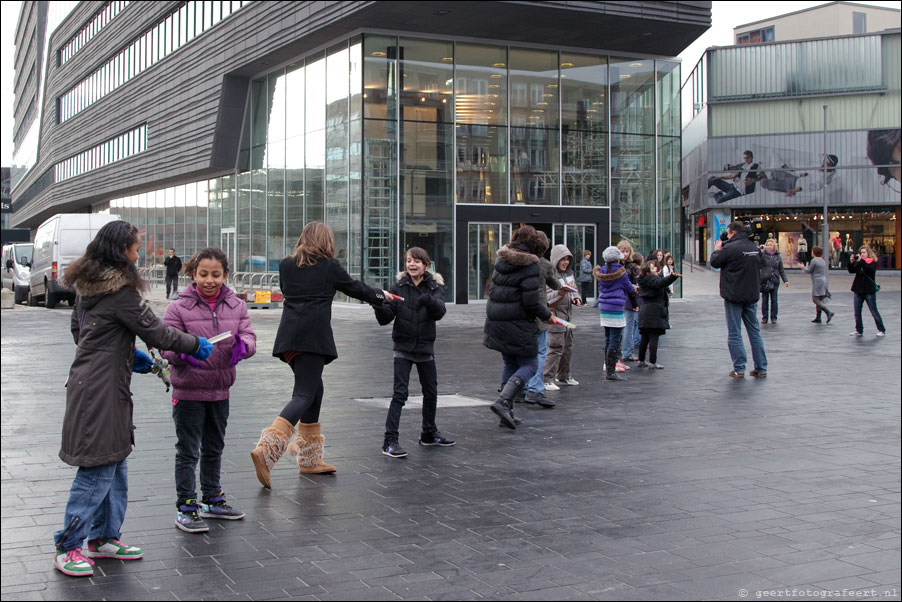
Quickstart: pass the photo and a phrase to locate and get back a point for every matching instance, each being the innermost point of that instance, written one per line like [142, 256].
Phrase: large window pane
[426, 80]
[426, 204]
[534, 88]
[380, 76]
[480, 84]
[585, 167]
[584, 80]
[315, 141]
[633, 207]
[667, 98]
[535, 163]
[336, 202]
[632, 95]
[380, 189]
[481, 164]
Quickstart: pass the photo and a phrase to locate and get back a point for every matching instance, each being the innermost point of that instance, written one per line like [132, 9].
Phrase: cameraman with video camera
[739, 260]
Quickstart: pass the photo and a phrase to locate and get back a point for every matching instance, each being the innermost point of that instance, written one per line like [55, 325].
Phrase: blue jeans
[96, 506]
[522, 366]
[871, 300]
[200, 435]
[737, 315]
[536, 384]
[612, 338]
[769, 298]
[630, 334]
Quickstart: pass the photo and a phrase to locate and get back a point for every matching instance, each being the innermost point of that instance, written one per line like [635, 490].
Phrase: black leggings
[649, 341]
[307, 395]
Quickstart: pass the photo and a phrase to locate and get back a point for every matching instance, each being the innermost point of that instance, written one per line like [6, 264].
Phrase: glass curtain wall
[379, 136]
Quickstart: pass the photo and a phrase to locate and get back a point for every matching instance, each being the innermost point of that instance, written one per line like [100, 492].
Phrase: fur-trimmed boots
[273, 443]
[308, 447]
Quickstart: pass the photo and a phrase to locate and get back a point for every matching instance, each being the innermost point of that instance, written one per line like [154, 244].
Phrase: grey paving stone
[682, 484]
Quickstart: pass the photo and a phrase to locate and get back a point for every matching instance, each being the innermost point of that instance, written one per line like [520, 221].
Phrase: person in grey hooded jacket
[560, 338]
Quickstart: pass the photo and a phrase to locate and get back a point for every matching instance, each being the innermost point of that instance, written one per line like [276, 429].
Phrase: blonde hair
[625, 247]
[870, 252]
[771, 241]
[315, 242]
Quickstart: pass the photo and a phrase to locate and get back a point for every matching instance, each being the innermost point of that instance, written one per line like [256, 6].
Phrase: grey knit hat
[612, 255]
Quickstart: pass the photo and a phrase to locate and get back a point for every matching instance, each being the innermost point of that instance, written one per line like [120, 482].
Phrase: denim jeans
[871, 300]
[200, 434]
[522, 366]
[536, 384]
[96, 506]
[727, 190]
[428, 380]
[737, 315]
[630, 334]
[769, 298]
[612, 338]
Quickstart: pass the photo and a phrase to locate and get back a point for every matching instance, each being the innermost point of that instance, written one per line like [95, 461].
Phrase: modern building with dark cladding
[435, 124]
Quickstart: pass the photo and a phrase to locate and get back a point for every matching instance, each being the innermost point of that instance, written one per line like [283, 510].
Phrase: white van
[60, 240]
[16, 267]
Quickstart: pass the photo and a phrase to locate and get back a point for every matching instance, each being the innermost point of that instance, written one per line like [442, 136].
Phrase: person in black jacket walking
[308, 279]
[510, 325]
[739, 261]
[864, 266]
[173, 265]
[414, 339]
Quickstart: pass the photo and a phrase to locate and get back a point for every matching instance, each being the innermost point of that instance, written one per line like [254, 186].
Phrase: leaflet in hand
[566, 288]
[563, 322]
[222, 336]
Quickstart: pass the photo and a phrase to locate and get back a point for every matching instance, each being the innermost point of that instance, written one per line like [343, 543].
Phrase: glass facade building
[445, 144]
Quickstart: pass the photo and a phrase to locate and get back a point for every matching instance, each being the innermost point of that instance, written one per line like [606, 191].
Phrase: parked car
[16, 268]
[58, 241]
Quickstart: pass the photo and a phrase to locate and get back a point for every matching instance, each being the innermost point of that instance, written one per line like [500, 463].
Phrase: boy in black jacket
[414, 337]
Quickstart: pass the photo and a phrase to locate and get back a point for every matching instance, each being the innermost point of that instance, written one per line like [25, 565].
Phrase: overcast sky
[726, 16]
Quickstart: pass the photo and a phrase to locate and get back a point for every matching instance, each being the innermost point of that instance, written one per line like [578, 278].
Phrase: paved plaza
[679, 484]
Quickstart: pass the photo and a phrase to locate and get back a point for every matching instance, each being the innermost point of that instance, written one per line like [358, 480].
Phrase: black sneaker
[435, 438]
[393, 449]
[216, 507]
[187, 519]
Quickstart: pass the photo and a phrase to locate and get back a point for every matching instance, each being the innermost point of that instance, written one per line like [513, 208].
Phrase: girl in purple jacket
[615, 291]
[200, 397]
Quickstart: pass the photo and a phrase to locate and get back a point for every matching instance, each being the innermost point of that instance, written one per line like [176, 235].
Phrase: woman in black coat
[513, 306]
[864, 266]
[308, 280]
[654, 312]
[414, 341]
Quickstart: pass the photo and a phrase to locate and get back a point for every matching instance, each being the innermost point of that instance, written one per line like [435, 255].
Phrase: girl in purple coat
[200, 396]
[615, 292]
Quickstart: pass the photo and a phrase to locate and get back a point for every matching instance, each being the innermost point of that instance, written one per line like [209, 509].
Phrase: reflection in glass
[380, 201]
[667, 98]
[484, 241]
[584, 167]
[315, 140]
[480, 84]
[337, 98]
[481, 164]
[426, 162]
[584, 92]
[535, 162]
[380, 77]
[533, 88]
[427, 73]
[632, 95]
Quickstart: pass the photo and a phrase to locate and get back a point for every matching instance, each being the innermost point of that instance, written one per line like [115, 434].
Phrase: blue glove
[143, 363]
[204, 350]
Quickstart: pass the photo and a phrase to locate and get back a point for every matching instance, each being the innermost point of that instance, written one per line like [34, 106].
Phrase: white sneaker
[552, 387]
[854, 333]
[569, 381]
[880, 333]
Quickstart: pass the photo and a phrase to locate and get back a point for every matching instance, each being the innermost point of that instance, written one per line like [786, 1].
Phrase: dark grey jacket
[98, 427]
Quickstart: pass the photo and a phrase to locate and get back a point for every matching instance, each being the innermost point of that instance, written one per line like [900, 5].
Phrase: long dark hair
[107, 252]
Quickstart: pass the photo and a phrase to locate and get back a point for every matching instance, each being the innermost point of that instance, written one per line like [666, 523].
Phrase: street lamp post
[825, 234]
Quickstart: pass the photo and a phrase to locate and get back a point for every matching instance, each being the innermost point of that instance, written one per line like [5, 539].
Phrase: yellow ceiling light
[566, 64]
[498, 65]
[377, 53]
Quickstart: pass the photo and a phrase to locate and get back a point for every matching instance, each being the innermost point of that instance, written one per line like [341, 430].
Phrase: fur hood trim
[599, 275]
[426, 277]
[109, 282]
[516, 257]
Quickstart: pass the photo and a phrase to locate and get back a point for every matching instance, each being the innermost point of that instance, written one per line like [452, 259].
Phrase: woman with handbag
[864, 266]
[771, 273]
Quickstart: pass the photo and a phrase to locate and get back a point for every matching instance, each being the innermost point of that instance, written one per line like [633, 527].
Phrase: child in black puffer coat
[414, 336]
[654, 318]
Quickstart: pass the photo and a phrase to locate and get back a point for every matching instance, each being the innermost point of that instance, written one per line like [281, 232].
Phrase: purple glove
[239, 351]
[190, 360]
